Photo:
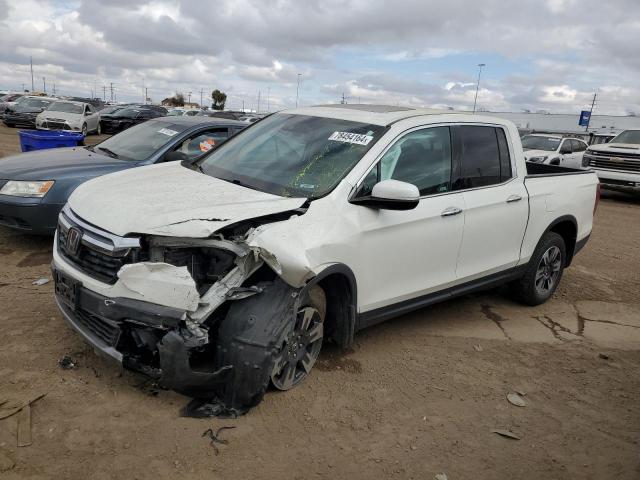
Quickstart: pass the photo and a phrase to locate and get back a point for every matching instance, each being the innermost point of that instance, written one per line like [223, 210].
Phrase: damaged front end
[166, 304]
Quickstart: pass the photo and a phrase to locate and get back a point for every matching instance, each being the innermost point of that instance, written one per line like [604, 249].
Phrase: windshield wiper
[111, 153]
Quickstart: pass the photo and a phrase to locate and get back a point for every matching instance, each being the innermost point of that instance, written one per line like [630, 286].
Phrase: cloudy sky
[550, 55]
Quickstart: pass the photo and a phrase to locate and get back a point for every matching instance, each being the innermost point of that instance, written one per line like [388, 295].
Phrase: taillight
[595, 205]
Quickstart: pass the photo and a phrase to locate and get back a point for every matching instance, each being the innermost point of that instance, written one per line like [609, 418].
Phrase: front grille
[106, 330]
[99, 254]
[56, 125]
[621, 164]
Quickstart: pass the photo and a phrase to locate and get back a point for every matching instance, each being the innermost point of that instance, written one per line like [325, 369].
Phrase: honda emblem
[74, 236]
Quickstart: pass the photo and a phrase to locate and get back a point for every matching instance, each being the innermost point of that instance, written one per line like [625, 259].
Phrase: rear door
[496, 206]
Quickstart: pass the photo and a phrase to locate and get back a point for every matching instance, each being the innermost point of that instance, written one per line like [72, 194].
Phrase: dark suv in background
[129, 116]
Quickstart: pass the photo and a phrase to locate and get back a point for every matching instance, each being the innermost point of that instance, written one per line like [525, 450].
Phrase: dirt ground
[417, 396]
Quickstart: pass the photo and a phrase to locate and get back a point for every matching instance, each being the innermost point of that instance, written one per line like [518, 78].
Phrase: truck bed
[544, 169]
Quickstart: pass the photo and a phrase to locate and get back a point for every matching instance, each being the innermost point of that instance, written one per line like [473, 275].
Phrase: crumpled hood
[171, 200]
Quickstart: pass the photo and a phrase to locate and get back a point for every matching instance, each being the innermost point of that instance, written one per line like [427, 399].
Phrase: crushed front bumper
[118, 328]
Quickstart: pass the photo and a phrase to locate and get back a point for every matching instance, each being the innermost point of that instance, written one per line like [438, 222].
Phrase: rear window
[478, 156]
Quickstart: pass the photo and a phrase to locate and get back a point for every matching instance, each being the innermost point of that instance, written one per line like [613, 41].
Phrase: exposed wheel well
[567, 230]
[341, 302]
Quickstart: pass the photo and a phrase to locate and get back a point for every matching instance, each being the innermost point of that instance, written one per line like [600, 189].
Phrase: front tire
[257, 336]
[84, 129]
[544, 271]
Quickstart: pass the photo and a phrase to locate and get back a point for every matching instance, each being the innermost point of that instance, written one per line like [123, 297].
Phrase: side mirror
[391, 195]
[175, 156]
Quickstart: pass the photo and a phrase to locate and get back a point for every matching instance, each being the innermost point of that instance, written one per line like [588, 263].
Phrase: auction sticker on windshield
[167, 131]
[348, 137]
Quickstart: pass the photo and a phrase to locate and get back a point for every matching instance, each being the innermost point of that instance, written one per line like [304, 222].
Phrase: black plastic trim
[379, 315]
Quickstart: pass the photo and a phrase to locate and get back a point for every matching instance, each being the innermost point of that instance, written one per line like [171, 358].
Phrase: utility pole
[104, 93]
[32, 84]
[189, 98]
[54, 89]
[344, 99]
[243, 104]
[480, 65]
[298, 90]
[201, 92]
[44, 84]
[268, 97]
[593, 103]
[23, 87]
[111, 87]
[146, 95]
[258, 109]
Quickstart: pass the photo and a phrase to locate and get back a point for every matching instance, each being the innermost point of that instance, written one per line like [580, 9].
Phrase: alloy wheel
[548, 270]
[300, 350]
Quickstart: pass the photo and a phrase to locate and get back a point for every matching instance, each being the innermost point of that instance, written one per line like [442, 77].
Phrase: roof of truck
[373, 114]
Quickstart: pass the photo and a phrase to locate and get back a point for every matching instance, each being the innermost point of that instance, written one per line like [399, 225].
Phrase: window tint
[477, 155]
[505, 158]
[578, 146]
[566, 146]
[422, 158]
[202, 142]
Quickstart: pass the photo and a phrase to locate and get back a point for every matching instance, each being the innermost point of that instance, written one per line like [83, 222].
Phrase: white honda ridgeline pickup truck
[222, 276]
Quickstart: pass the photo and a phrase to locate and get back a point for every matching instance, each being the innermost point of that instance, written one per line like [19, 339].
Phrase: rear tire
[544, 271]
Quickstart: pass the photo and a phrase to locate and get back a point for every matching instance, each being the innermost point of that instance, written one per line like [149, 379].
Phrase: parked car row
[35, 186]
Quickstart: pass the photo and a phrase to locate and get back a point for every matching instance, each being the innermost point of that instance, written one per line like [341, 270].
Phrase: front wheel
[272, 337]
[543, 272]
[84, 129]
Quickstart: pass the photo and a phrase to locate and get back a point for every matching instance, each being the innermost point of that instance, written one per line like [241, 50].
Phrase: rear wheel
[544, 271]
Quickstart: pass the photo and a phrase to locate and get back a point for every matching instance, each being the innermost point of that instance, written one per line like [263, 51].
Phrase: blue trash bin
[41, 139]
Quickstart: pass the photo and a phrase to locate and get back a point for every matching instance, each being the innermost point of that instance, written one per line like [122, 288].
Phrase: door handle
[514, 198]
[450, 211]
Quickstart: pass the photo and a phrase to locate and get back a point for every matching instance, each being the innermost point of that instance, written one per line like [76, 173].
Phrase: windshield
[127, 112]
[141, 141]
[292, 155]
[33, 102]
[66, 107]
[531, 142]
[628, 136]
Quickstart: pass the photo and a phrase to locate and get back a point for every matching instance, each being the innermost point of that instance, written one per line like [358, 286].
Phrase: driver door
[409, 253]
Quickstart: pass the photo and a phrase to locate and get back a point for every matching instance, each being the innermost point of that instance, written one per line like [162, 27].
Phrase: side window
[578, 146]
[505, 158]
[202, 142]
[477, 155]
[422, 158]
[566, 146]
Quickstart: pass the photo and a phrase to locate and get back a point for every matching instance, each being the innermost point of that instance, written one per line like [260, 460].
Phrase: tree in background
[219, 99]
[176, 101]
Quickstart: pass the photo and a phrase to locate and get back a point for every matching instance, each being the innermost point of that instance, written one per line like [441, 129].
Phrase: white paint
[170, 200]
[394, 255]
[161, 283]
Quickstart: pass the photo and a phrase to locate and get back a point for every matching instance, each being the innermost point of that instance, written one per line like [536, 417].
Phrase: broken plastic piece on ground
[477, 348]
[440, 476]
[506, 434]
[198, 408]
[24, 426]
[603, 356]
[516, 399]
[41, 281]
[11, 406]
[67, 363]
[215, 438]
